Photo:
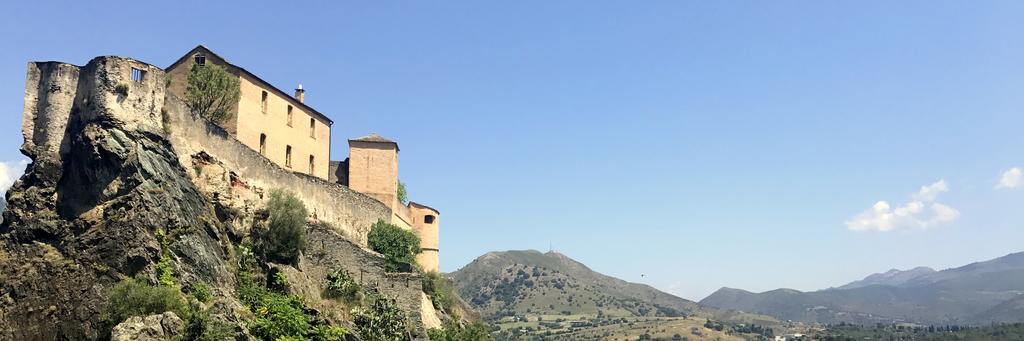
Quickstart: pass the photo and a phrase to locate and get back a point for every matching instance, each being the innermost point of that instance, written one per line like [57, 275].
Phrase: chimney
[300, 94]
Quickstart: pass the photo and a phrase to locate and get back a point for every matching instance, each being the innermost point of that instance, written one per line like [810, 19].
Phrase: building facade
[278, 125]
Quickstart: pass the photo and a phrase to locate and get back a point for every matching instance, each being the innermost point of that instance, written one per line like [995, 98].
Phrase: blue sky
[700, 144]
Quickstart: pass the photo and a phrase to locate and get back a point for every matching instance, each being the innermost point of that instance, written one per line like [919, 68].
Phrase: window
[263, 102]
[137, 75]
[200, 59]
[312, 128]
[311, 165]
[289, 116]
[288, 156]
[428, 219]
[263, 144]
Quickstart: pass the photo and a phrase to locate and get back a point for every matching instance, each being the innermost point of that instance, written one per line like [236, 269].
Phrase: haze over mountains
[982, 292]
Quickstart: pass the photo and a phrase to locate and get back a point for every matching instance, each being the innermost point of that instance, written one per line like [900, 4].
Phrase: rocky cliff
[123, 178]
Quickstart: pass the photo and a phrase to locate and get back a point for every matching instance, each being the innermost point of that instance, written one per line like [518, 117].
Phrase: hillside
[976, 293]
[528, 293]
[517, 282]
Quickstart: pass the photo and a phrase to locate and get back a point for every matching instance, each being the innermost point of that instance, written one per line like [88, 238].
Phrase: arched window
[288, 156]
[263, 144]
[428, 219]
[311, 165]
[263, 102]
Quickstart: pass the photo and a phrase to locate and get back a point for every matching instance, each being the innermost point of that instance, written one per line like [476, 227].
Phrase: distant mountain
[892, 277]
[519, 282]
[971, 294]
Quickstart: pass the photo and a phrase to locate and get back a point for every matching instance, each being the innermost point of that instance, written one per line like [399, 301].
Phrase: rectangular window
[312, 167]
[200, 59]
[288, 156]
[312, 128]
[137, 75]
[263, 102]
[289, 116]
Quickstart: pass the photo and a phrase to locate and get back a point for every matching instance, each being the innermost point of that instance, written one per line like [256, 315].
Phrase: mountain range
[977, 293]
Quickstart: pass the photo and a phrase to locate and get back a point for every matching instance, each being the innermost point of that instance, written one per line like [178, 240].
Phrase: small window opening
[289, 116]
[428, 219]
[263, 144]
[312, 128]
[137, 75]
[263, 102]
[200, 59]
[312, 166]
[288, 156]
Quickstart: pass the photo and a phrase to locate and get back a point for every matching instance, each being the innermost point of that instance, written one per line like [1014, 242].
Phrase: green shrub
[397, 245]
[132, 297]
[284, 236]
[452, 331]
[341, 285]
[279, 282]
[329, 333]
[201, 292]
[381, 321]
[278, 315]
[121, 89]
[164, 269]
[211, 92]
[440, 290]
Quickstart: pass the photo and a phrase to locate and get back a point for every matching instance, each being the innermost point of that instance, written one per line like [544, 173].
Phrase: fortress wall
[53, 91]
[351, 212]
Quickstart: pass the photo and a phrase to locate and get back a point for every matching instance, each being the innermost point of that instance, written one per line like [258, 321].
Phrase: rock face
[166, 326]
[116, 165]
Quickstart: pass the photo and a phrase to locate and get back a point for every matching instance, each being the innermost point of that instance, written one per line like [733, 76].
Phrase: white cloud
[1011, 179]
[920, 212]
[928, 193]
[9, 173]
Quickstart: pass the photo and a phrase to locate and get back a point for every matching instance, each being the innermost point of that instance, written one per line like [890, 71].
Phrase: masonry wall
[351, 212]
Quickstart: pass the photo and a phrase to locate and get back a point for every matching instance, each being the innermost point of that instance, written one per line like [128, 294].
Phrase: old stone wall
[351, 212]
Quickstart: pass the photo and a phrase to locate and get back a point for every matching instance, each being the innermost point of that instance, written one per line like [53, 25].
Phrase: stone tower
[373, 170]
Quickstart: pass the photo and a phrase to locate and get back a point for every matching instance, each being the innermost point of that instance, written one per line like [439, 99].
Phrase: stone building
[296, 137]
[278, 125]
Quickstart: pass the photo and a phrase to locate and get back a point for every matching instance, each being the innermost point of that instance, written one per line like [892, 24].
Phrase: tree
[211, 92]
[403, 195]
[284, 235]
[397, 245]
[381, 321]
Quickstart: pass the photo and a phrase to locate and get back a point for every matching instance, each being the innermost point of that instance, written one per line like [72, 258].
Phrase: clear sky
[699, 144]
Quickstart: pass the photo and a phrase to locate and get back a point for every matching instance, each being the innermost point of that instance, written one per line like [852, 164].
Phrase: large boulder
[166, 326]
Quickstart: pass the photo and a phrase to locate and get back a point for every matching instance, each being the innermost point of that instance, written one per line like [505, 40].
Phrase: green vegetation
[164, 271]
[201, 292]
[397, 245]
[284, 235]
[452, 331]
[849, 332]
[121, 89]
[278, 315]
[135, 297]
[381, 321]
[440, 290]
[341, 285]
[211, 92]
[403, 195]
